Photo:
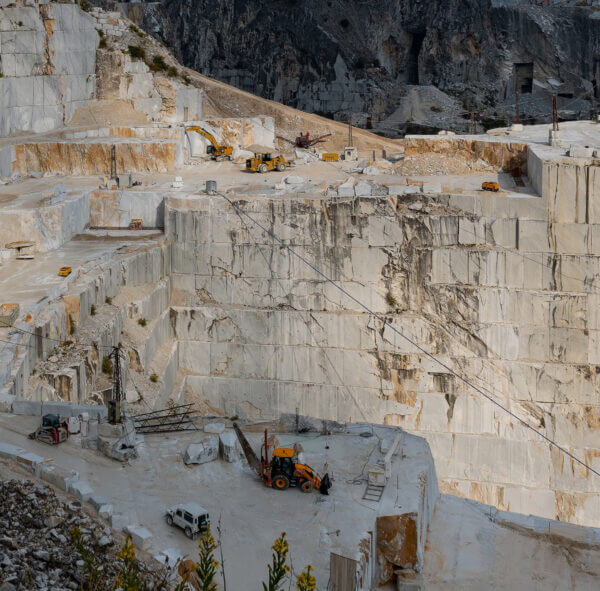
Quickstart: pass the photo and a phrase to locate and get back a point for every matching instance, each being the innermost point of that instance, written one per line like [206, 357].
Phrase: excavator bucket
[325, 485]
[253, 461]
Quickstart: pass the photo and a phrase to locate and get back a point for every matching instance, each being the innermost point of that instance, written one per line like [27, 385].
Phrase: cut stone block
[32, 460]
[363, 189]
[205, 451]
[81, 489]
[214, 428]
[27, 407]
[10, 451]
[97, 501]
[119, 522]
[140, 536]
[57, 476]
[229, 447]
[62, 409]
[105, 511]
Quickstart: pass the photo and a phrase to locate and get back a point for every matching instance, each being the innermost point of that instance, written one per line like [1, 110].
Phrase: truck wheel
[281, 482]
[188, 533]
[281, 167]
[263, 168]
[306, 486]
[169, 520]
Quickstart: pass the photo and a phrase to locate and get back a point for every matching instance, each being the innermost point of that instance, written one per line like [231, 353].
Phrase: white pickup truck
[190, 517]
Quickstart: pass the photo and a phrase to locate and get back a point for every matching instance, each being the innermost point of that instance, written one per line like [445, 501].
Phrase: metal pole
[113, 162]
[554, 114]
[517, 120]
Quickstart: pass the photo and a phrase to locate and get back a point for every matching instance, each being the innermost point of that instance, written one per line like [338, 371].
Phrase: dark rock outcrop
[350, 57]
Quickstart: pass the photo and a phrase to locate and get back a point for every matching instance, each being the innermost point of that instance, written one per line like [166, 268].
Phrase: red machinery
[304, 140]
[52, 431]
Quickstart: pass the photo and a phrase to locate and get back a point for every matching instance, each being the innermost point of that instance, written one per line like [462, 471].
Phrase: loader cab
[283, 462]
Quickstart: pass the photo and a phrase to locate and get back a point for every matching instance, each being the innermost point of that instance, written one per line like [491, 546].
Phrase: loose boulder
[206, 450]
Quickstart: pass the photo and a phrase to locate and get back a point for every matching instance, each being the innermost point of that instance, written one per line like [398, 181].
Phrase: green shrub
[157, 64]
[102, 44]
[154, 378]
[391, 300]
[93, 310]
[107, 366]
[85, 5]
[108, 300]
[136, 52]
[142, 321]
[172, 72]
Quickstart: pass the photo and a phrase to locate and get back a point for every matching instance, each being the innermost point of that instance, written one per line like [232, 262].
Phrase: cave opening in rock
[412, 68]
[524, 77]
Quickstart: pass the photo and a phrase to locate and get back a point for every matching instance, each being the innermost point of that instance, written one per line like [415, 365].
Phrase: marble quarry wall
[501, 289]
[135, 282]
[238, 133]
[48, 65]
[52, 64]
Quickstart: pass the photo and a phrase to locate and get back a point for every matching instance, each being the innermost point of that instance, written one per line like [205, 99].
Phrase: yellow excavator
[215, 150]
[283, 470]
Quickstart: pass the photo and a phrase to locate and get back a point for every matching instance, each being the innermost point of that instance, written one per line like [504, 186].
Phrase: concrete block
[119, 522]
[27, 407]
[140, 536]
[81, 489]
[10, 451]
[205, 451]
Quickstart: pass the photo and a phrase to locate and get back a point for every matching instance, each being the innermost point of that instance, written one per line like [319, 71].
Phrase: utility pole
[554, 134]
[350, 139]
[554, 114]
[517, 119]
[114, 405]
[473, 124]
[113, 162]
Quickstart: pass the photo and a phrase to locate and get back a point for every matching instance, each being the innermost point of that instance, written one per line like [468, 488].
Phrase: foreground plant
[278, 570]
[207, 565]
[129, 575]
[306, 581]
[93, 571]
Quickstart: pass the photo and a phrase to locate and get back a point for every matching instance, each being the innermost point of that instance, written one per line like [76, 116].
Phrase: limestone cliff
[350, 57]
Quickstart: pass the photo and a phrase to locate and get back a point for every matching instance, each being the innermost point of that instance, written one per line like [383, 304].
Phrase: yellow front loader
[266, 162]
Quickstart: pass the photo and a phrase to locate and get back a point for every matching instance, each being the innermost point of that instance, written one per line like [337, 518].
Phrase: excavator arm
[280, 137]
[209, 136]
[319, 139]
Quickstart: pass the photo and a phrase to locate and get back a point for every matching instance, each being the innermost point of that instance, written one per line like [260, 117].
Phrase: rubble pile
[440, 164]
[36, 547]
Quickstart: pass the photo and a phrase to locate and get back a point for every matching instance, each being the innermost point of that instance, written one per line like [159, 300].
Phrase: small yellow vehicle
[136, 224]
[64, 271]
[490, 186]
[330, 157]
[264, 162]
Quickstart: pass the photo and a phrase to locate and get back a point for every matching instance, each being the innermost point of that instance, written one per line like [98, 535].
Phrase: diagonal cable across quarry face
[382, 319]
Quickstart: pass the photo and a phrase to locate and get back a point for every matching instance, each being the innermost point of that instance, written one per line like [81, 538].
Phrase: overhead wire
[384, 321]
